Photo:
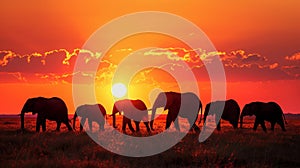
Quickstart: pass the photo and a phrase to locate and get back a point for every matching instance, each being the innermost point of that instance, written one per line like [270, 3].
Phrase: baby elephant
[133, 110]
[92, 112]
[231, 112]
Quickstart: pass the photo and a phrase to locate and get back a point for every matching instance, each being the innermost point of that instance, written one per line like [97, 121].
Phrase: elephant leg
[193, 125]
[82, 122]
[262, 123]
[58, 125]
[146, 123]
[176, 123]
[90, 125]
[219, 126]
[124, 122]
[281, 123]
[235, 124]
[37, 127]
[44, 125]
[169, 120]
[137, 126]
[218, 123]
[69, 126]
[81, 127]
[272, 125]
[204, 123]
[130, 126]
[101, 125]
[255, 124]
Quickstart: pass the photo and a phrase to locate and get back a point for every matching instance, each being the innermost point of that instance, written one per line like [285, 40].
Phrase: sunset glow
[257, 42]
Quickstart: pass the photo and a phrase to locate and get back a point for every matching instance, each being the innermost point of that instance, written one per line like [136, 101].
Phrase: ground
[227, 148]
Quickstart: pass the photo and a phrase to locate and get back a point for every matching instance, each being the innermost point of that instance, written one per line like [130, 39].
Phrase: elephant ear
[174, 101]
[170, 100]
[254, 108]
[38, 106]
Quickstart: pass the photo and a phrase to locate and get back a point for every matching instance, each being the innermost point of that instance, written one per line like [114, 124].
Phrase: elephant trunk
[115, 110]
[154, 108]
[22, 115]
[114, 120]
[74, 120]
[152, 116]
[204, 118]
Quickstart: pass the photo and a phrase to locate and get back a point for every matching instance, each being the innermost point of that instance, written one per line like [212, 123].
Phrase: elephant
[132, 109]
[231, 112]
[53, 109]
[91, 112]
[270, 111]
[172, 102]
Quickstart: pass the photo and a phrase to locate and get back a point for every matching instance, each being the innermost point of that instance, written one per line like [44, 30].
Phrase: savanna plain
[225, 148]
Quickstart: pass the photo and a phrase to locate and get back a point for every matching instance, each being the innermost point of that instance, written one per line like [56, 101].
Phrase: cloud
[53, 61]
[294, 57]
[292, 70]
[52, 66]
[234, 62]
[254, 58]
[240, 59]
[193, 56]
[57, 65]
[12, 77]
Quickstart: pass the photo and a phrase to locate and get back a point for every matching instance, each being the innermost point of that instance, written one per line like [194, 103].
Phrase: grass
[227, 148]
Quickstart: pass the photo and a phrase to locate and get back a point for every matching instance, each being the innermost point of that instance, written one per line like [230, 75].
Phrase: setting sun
[119, 90]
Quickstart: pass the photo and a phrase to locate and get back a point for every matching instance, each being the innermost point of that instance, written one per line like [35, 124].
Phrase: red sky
[258, 43]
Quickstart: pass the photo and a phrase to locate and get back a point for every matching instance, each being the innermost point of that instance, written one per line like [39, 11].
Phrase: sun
[119, 90]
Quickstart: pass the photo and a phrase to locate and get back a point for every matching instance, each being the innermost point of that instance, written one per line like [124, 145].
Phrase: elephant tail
[70, 120]
[284, 118]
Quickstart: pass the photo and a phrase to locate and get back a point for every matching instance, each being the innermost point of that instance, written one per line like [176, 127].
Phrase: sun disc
[119, 90]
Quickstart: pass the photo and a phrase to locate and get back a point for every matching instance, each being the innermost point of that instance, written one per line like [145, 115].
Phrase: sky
[257, 41]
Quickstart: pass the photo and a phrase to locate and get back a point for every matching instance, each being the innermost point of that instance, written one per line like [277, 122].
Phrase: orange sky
[259, 41]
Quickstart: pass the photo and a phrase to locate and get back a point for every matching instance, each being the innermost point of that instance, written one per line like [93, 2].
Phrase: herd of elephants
[185, 105]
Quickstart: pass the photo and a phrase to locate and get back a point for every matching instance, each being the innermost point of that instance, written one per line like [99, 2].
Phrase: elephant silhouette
[53, 109]
[133, 110]
[186, 105]
[231, 112]
[90, 112]
[270, 111]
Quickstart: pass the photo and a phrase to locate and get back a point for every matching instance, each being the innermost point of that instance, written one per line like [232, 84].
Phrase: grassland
[227, 148]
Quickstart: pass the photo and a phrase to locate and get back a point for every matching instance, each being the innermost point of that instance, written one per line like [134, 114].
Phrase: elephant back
[276, 107]
[133, 109]
[102, 109]
[56, 109]
[96, 111]
[190, 105]
[231, 110]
